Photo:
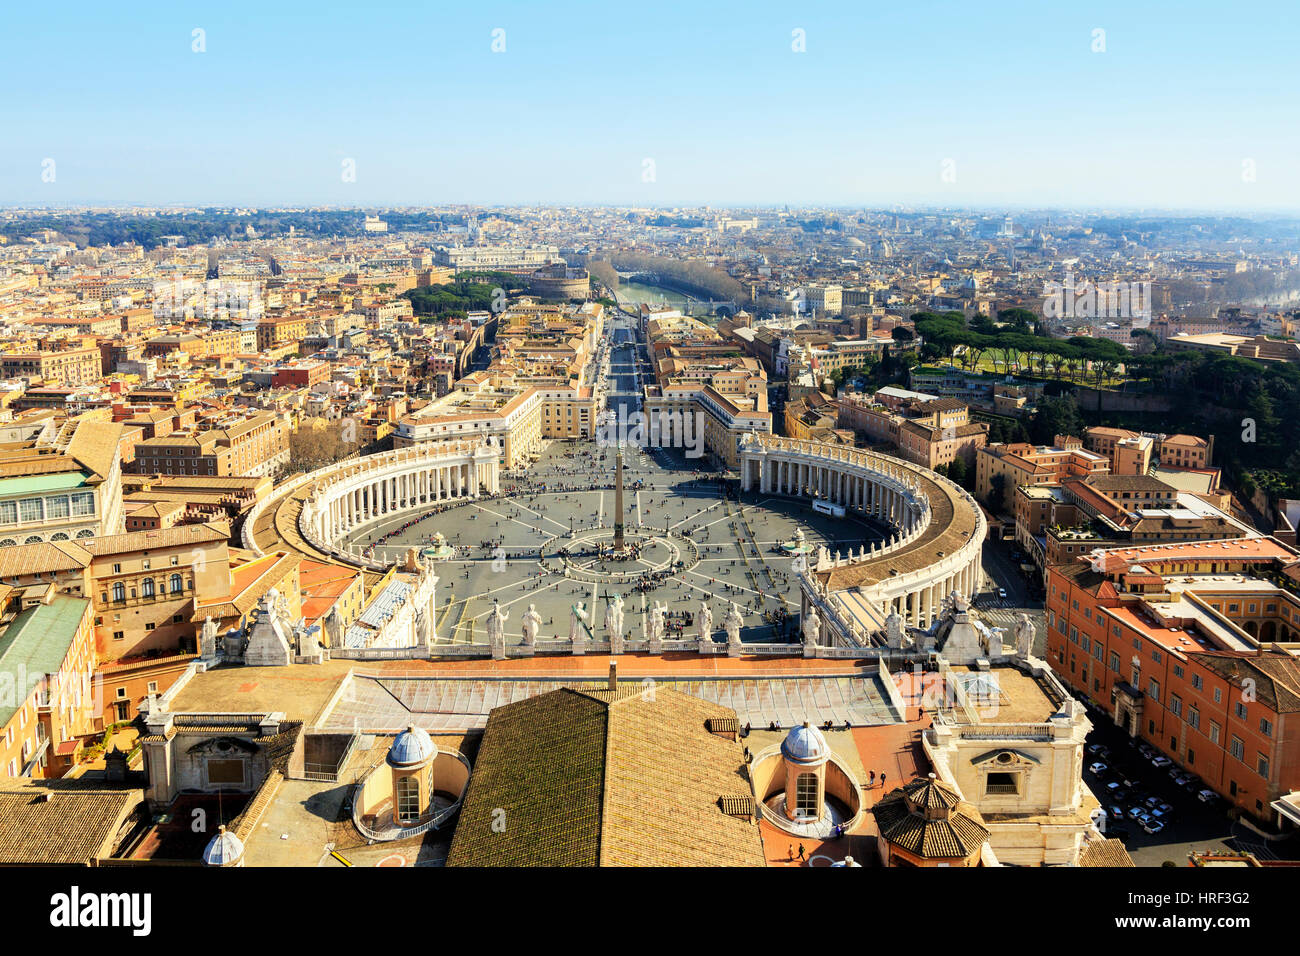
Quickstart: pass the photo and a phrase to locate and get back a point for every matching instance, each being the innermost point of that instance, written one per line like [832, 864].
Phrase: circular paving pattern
[545, 541]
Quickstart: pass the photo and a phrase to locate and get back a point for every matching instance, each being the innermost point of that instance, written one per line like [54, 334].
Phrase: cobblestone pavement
[736, 546]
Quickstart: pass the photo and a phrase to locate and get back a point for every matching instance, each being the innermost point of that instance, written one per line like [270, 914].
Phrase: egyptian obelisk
[618, 499]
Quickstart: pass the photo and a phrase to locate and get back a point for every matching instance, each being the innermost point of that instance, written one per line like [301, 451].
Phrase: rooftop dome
[805, 745]
[224, 849]
[412, 746]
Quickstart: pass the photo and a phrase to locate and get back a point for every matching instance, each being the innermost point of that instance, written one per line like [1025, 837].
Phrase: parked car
[1136, 812]
[1207, 796]
[1152, 826]
[1182, 778]
[1097, 750]
[1161, 761]
[1002, 593]
[1164, 808]
[1097, 768]
[1114, 812]
[1118, 833]
[1146, 750]
[1152, 802]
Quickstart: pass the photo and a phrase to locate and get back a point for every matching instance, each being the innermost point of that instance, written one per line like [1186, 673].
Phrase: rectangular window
[226, 771]
[57, 507]
[1214, 732]
[1193, 717]
[1176, 705]
[29, 509]
[1178, 670]
[83, 503]
[1262, 766]
[1240, 710]
[1218, 695]
[1153, 689]
[1236, 748]
[1266, 727]
[8, 512]
[1196, 681]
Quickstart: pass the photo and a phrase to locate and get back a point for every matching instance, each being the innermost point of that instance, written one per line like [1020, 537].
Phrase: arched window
[408, 799]
[59, 536]
[34, 539]
[805, 795]
[8, 543]
[176, 584]
[119, 591]
[147, 587]
[85, 533]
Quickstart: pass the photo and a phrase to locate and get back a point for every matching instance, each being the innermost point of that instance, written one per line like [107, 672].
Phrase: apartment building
[1133, 453]
[47, 649]
[71, 366]
[64, 487]
[1192, 648]
[1002, 468]
[253, 446]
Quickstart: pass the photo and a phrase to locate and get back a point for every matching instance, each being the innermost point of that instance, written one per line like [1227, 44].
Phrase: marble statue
[496, 625]
[799, 565]
[1025, 633]
[208, 642]
[732, 623]
[578, 623]
[531, 622]
[894, 631]
[614, 618]
[706, 622]
[812, 627]
[655, 617]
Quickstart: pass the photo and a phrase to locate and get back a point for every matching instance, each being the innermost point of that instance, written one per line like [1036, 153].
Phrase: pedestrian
[882, 780]
[871, 779]
[801, 851]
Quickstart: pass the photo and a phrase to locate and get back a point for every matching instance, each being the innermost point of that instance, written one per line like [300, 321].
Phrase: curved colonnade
[938, 537]
[338, 499]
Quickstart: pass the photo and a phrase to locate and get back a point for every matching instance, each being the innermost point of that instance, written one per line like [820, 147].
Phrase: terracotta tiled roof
[611, 778]
[73, 827]
[1276, 676]
[906, 819]
[1105, 853]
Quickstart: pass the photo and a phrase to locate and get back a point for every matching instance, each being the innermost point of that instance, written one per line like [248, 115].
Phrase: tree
[1022, 320]
[957, 470]
[1055, 416]
[902, 335]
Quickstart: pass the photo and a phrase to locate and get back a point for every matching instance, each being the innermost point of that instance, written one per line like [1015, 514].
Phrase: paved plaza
[700, 540]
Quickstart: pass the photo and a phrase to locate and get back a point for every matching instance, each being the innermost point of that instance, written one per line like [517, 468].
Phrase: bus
[826, 508]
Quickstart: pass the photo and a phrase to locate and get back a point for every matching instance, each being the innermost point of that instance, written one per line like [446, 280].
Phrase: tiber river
[632, 293]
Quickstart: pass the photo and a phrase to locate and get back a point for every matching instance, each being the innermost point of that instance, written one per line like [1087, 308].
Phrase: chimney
[613, 675]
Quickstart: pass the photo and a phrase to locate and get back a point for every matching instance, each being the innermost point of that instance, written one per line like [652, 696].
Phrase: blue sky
[1011, 92]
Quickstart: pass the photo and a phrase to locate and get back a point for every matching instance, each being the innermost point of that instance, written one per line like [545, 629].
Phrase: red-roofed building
[1191, 647]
